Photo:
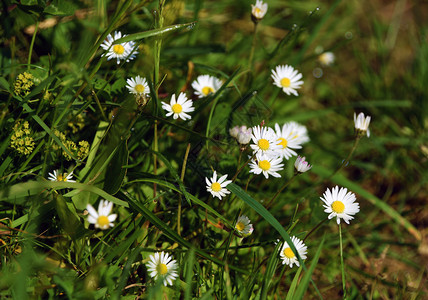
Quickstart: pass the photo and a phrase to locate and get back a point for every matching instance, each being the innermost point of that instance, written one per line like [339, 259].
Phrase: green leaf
[4, 84]
[60, 8]
[293, 286]
[116, 172]
[154, 32]
[304, 283]
[18, 193]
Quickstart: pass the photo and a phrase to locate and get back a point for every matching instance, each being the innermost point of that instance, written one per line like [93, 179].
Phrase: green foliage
[66, 106]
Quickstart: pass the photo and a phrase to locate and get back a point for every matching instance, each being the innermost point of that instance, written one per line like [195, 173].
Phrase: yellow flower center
[216, 187]
[283, 142]
[240, 226]
[61, 178]
[118, 49]
[264, 165]
[177, 108]
[162, 269]
[103, 221]
[139, 88]
[263, 144]
[288, 253]
[257, 10]
[338, 207]
[285, 82]
[207, 90]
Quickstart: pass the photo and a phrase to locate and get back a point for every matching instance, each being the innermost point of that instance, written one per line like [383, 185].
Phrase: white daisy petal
[205, 85]
[217, 188]
[340, 204]
[287, 78]
[162, 267]
[289, 257]
[179, 108]
[266, 165]
[101, 219]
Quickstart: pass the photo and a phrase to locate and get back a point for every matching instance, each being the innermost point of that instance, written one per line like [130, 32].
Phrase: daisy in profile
[326, 58]
[119, 51]
[161, 266]
[287, 140]
[265, 141]
[289, 257]
[362, 124]
[57, 176]
[137, 86]
[258, 10]
[179, 108]
[217, 188]
[287, 78]
[205, 85]
[298, 132]
[101, 219]
[340, 203]
[301, 165]
[266, 165]
[244, 226]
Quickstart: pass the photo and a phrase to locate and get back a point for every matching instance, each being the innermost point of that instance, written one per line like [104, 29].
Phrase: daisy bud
[362, 124]
[301, 165]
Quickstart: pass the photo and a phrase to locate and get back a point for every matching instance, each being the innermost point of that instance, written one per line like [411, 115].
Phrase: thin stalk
[315, 228]
[253, 46]
[341, 262]
[346, 161]
[243, 166]
[183, 171]
[280, 190]
[30, 52]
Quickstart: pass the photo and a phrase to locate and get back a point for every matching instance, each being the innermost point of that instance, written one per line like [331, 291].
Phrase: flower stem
[183, 171]
[30, 52]
[346, 161]
[279, 191]
[341, 262]
[315, 229]
[253, 46]
[243, 166]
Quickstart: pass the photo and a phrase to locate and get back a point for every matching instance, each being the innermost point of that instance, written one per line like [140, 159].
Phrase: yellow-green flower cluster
[80, 151]
[23, 84]
[77, 124]
[21, 139]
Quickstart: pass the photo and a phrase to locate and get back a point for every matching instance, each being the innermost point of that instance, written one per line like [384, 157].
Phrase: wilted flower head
[362, 124]
[301, 165]
[244, 226]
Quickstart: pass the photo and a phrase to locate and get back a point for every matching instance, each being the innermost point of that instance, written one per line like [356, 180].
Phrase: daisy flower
[287, 140]
[326, 58]
[340, 204]
[244, 226]
[244, 135]
[298, 132]
[101, 219]
[57, 176]
[259, 10]
[118, 51]
[362, 124]
[137, 86]
[205, 85]
[265, 141]
[217, 187]
[289, 257]
[179, 108]
[287, 78]
[266, 165]
[161, 266]
[301, 165]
